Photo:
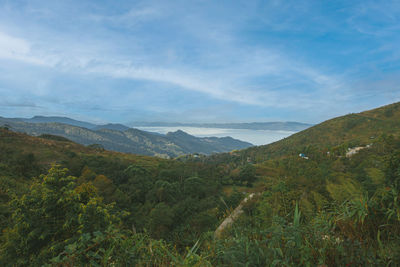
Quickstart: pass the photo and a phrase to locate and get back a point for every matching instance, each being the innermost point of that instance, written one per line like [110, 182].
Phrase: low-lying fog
[256, 137]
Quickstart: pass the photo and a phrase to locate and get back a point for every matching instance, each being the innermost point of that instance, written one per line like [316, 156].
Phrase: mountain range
[121, 138]
[273, 126]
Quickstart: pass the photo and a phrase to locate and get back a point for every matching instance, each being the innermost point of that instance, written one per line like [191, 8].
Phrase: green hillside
[327, 207]
[356, 129]
[147, 194]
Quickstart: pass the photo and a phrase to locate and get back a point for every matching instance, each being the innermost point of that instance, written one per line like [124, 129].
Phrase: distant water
[256, 137]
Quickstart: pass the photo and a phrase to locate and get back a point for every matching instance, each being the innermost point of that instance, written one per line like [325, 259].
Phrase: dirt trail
[352, 151]
[233, 216]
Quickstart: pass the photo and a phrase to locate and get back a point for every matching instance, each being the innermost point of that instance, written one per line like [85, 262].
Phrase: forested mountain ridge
[64, 120]
[123, 139]
[49, 149]
[320, 205]
[337, 134]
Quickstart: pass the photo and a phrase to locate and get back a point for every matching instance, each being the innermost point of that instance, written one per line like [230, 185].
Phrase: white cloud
[11, 46]
[15, 48]
[228, 82]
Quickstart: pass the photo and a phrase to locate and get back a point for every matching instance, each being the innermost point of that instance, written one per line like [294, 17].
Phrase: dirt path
[233, 216]
[352, 151]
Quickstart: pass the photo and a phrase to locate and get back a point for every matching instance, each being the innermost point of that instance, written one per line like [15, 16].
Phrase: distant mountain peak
[112, 126]
[57, 119]
[49, 117]
[178, 133]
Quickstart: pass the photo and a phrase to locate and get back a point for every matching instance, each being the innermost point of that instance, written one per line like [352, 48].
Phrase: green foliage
[96, 147]
[194, 187]
[116, 248]
[54, 137]
[344, 188]
[161, 219]
[393, 171]
[247, 174]
[52, 215]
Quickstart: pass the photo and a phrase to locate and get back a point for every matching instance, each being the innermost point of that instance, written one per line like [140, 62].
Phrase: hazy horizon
[132, 123]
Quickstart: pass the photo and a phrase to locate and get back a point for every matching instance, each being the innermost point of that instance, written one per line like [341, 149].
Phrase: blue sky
[200, 61]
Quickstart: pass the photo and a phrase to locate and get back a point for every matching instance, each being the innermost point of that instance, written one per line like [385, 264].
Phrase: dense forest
[326, 196]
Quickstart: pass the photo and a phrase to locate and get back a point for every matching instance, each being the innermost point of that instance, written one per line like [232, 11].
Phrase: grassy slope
[351, 130]
[48, 151]
[350, 201]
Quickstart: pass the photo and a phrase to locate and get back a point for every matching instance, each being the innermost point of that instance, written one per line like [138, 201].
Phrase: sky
[198, 61]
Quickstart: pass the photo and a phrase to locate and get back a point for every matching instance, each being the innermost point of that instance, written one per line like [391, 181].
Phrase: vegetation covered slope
[322, 209]
[337, 134]
[100, 196]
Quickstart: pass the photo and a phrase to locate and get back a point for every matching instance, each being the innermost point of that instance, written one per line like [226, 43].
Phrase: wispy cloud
[377, 19]
[14, 48]
[226, 83]
[130, 18]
